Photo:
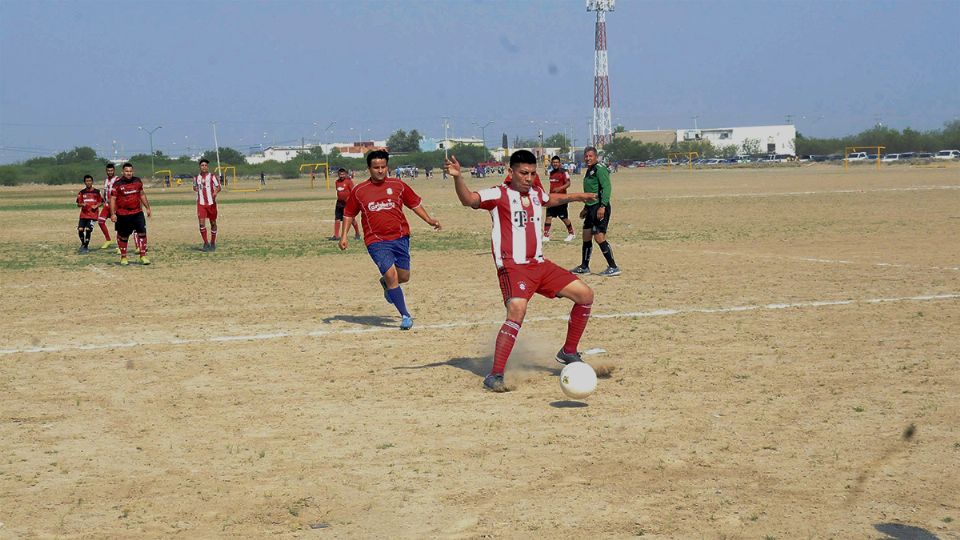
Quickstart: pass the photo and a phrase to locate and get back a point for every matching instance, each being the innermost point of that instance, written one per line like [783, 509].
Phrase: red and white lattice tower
[602, 122]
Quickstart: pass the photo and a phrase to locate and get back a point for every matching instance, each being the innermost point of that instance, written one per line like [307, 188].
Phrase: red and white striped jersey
[108, 188]
[206, 188]
[516, 237]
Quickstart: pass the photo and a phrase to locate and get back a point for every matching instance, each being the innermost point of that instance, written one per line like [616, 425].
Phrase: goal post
[689, 155]
[167, 176]
[854, 149]
[313, 167]
[224, 171]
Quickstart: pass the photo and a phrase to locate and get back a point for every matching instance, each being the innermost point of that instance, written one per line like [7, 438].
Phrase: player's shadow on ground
[477, 366]
[365, 320]
[568, 404]
[899, 531]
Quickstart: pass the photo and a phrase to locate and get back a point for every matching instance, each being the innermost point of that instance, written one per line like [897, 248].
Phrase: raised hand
[451, 166]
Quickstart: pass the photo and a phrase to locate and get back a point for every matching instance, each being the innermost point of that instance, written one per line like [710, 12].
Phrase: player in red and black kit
[380, 201]
[344, 187]
[126, 210]
[105, 210]
[89, 200]
[517, 245]
[559, 182]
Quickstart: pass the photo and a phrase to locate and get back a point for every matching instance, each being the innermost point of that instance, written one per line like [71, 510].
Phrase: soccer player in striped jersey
[127, 203]
[207, 186]
[380, 201]
[89, 200]
[105, 209]
[517, 245]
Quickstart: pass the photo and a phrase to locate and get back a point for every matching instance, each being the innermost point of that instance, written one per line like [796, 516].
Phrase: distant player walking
[344, 187]
[596, 215]
[559, 182]
[380, 201]
[517, 245]
[207, 186]
[89, 200]
[105, 209]
[126, 210]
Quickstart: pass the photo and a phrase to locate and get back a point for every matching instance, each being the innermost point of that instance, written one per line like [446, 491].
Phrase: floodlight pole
[153, 169]
[216, 146]
[483, 134]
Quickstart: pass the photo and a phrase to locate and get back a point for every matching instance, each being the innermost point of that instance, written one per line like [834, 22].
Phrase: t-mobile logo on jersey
[381, 206]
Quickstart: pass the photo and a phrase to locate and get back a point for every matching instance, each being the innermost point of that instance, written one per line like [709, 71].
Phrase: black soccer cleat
[566, 358]
[494, 383]
[581, 269]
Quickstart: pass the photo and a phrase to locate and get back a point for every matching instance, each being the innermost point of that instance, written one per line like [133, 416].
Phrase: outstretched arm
[556, 199]
[467, 197]
[422, 213]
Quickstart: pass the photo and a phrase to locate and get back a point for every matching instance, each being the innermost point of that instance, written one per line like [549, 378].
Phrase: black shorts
[591, 222]
[86, 223]
[338, 211]
[128, 224]
[559, 211]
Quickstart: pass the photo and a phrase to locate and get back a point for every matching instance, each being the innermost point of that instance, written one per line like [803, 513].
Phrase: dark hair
[377, 154]
[203, 160]
[111, 166]
[127, 164]
[87, 176]
[522, 157]
[341, 169]
[591, 149]
[555, 158]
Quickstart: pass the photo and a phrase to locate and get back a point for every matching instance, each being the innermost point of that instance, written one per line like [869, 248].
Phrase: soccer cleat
[83, 249]
[124, 261]
[494, 383]
[546, 238]
[333, 238]
[205, 247]
[144, 260]
[383, 283]
[581, 269]
[107, 244]
[570, 238]
[566, 358]
[406, 322]
[610, 271]
[356, 237]
[213, 247]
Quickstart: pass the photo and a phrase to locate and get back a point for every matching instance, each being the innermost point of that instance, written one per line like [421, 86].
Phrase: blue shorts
[387, 253]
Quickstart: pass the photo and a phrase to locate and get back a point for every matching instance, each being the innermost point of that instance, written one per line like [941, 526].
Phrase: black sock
[585, 254]
[80, 234]
[86, 237]
[607, 253]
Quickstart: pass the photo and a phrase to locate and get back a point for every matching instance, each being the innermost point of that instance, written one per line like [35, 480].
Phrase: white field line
[789, 193]
[463, 324]
[100, 271]
[814, 259]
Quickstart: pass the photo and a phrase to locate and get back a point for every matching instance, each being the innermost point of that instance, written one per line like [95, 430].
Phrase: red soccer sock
[142, 244]
[336, 228]
[122, 244]
[203, 234]
[579, 316]
[506, 338]
[104, 229]
[570, 228]
[355, 228]
[546, 230]
[213, 236]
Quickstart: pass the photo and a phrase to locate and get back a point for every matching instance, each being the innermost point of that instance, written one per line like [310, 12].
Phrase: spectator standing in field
[105, 209]
[207, 186]
[89, 200]
[127, 203]
[516, 242]
[596, 215]
[344, 187]
[380, 201]
[559, 182]
[263, 179]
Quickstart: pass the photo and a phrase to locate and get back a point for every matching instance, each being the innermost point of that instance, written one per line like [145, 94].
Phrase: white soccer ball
[578, 380]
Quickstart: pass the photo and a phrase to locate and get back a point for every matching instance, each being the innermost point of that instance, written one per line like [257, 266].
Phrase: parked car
[924, 155]
[857, 156]
[890, 157]
[948, 154]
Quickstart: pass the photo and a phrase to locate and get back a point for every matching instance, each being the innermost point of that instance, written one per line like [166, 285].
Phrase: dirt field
[773, 334]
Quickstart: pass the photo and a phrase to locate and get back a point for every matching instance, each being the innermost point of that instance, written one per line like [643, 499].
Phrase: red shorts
[208, 211]
[522, 280]
[104, 213]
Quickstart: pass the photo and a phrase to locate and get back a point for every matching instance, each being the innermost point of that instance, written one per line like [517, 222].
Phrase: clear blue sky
[89, 73]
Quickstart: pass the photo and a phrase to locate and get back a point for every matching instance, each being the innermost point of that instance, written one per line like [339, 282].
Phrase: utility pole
[446, 150]
[602, 122]
[153, 169]
[483, 134]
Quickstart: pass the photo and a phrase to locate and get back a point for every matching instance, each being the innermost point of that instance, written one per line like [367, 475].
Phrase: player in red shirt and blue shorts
[517, 244]
[89, 200]
[126, 211]
[559, 182]
[344, 187]
[379, 201]
[207, 186]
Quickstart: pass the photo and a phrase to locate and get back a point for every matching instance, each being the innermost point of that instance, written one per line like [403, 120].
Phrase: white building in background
[779, 139]
[282, 154]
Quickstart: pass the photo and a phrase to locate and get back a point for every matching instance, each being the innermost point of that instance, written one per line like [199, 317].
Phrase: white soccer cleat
[570, 238]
